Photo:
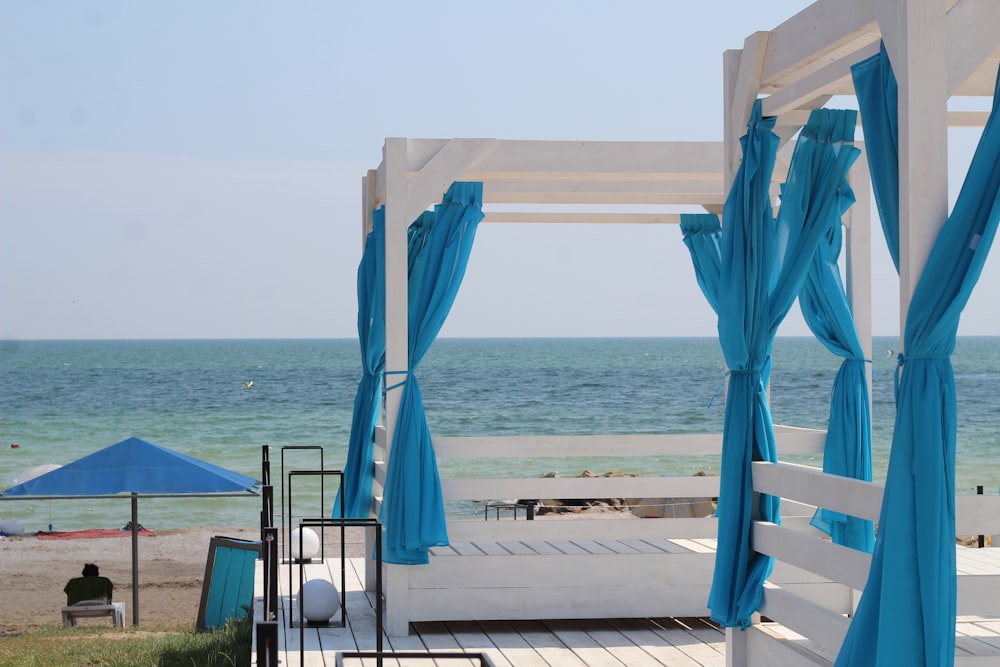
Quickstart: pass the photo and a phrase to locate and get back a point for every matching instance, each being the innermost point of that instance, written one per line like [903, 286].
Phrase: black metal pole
[982, 538]
[135, 559]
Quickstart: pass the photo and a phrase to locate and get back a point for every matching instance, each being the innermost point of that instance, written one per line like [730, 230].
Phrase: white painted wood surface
[938, 48]
[811, 624]
[593, 567]
[632, 642]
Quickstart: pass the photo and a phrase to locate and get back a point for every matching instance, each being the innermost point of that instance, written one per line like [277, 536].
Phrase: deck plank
[471, 637]
[554, 651]
[653, 644]
[688, 642]
[514, 648]
[437, 637]
[518, 548]
[590, 652]
[680, 635]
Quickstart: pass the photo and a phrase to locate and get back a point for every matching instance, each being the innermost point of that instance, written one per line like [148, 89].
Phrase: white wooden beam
[968, 118]
[588, 161]
[800, 117]
[576, 217]
[566, 192]
[432, 180]
[833, 79]
[810, 40]
[748, 77]
[982, 81]
[973, 26]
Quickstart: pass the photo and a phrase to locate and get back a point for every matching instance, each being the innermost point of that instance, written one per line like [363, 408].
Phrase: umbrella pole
[135, 559]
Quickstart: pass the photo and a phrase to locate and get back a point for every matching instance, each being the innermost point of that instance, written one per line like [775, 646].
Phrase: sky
[193, 169]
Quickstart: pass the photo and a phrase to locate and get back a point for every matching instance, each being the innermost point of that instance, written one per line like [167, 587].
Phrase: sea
[61, 400]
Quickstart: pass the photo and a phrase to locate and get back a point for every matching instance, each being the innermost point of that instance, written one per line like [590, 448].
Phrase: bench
[94, 609]
[604, 565]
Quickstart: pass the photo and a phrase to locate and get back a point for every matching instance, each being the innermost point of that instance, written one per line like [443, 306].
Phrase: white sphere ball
[319, 600]
[310, 544]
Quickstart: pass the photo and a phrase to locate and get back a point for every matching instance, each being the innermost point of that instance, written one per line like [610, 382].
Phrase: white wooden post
[731, 128]
[396, 345]
[737, 653]
[368, 187]
[858, 241]
[915, 38]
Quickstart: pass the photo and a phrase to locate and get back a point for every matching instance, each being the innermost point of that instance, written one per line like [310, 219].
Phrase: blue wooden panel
[230, 590]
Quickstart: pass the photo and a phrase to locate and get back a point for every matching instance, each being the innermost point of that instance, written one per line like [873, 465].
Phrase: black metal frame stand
[344, 523]
[288, 547]
[322, 539]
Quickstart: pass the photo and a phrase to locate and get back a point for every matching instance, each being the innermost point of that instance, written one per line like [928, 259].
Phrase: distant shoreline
[171, 571]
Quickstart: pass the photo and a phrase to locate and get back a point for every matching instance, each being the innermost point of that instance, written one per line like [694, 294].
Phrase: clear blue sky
[192, 169]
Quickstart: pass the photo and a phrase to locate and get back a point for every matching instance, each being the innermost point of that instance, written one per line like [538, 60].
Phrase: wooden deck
[690, 642]
[680, 642]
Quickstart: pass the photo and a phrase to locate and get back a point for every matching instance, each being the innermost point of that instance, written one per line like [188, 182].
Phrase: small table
[529, 510]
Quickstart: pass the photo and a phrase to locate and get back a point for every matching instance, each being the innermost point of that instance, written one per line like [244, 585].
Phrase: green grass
[135, 647]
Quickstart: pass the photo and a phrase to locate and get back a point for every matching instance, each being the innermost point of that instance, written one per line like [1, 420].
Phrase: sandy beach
[171, 570]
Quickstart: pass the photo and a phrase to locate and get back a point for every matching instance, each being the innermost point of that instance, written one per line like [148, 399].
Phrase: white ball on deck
[319, 600]
[310, 543]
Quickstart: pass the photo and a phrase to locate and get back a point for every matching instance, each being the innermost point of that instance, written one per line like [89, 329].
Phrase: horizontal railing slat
[838, 563]
[814, 487]
[977, 515]
[822, 626]
[974, 515]
[790, 440]
[580, 487]
[558, 529]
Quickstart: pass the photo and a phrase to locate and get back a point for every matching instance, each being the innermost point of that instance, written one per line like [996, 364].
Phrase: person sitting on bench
[91, 586]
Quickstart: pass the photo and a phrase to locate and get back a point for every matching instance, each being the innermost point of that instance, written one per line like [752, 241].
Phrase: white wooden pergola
[939, 49]
[562, 180]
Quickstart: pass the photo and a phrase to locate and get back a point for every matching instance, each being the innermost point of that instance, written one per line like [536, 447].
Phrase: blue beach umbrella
[368, 399]
[907, 611]
[133, 468]
[440, 243]
[763, 264]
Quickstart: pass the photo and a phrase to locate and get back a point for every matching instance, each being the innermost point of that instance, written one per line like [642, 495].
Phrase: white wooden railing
[401, 588]
[822, 629]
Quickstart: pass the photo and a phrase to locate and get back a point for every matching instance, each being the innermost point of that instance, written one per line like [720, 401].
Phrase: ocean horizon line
[4, 342]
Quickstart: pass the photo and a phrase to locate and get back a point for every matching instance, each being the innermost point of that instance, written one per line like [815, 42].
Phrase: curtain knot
[718, 389]
[398, 384]
[874, 372]
[895, 377]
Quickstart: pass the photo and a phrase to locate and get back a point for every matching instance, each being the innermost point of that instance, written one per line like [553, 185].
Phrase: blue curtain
[875, 86]
[702, 233]
[368, 399]
[907, 612]
[847, 452]
[764, 262]
[439, 245]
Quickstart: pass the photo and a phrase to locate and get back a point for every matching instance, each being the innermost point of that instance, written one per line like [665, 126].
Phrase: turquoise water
[60, 400]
